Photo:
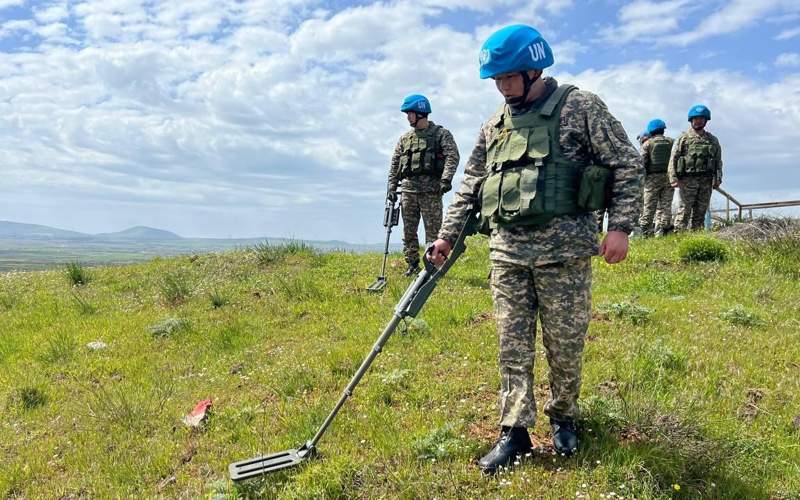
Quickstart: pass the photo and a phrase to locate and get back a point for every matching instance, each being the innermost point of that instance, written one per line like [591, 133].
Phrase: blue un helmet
[516, 48]
[417, 103]
[699, 110]
[655, 125]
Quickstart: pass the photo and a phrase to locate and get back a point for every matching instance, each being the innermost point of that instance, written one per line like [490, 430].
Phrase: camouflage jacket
[425, 183]
[679, 149]
[588, 134]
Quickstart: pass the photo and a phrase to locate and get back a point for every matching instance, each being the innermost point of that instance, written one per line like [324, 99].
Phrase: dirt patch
[761, 230]
[632, 436]
[661, 264]
[796, 423]
[166, 482]
[749, 410]
[608, 387]
[269, 399]
[481, 318]
[188, 454]
[485, 430]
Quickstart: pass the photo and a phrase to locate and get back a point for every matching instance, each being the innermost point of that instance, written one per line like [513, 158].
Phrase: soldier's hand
[676, 184]
[716, 183]
[445, 185]
[391, 195]
[614, 247]
[440, 251]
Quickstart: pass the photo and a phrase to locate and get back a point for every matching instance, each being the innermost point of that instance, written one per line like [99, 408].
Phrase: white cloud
[286, 119]
[788, 59]
[663, 22]
[734, 16]
[52, 13]
[788, 34]
[11, 3]
[644, 17]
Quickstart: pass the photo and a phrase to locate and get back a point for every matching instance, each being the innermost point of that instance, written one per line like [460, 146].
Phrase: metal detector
[410, 304]
[391, 218]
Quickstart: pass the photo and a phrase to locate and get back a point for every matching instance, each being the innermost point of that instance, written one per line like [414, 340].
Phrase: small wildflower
[676, 487]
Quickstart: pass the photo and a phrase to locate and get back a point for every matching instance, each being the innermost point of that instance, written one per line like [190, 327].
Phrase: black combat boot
[513, 441]
[413, 268]
[565, 438]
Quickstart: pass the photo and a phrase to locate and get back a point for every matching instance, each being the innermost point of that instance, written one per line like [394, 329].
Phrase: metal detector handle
[391, 213]
[423, 287]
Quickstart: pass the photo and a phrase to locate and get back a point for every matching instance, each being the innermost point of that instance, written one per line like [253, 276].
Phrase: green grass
[77, 274]
[690, 379]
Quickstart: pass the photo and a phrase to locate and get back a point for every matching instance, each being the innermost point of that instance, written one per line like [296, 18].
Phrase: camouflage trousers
[695, 196]
[413, 206]
[559, 294]
[656, 203]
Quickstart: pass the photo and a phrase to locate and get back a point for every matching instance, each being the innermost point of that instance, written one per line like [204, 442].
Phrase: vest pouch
[595, 188]
[490, 195]
[419, 145]
[508, 145]
[510, 199]
[528, 180]
[680, 168]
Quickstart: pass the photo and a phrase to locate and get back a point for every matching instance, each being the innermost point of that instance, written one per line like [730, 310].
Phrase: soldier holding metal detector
[423, 164]
[391, 217]
[542, 237]
[548, 158]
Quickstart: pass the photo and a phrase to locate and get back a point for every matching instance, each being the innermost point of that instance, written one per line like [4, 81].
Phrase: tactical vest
[529, 180]
[660, 149]
[420, 153]
[700, 157]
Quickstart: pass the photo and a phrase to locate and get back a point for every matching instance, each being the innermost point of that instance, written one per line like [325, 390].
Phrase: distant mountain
[36, 232]
[139, 233]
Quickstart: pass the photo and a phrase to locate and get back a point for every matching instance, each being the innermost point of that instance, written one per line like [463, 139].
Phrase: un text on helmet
[537, 51]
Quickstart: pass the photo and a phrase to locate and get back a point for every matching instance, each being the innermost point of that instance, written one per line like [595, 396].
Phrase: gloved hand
[391, 195]
[445, 185]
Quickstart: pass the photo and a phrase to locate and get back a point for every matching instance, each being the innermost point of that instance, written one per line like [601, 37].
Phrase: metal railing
[749, 207]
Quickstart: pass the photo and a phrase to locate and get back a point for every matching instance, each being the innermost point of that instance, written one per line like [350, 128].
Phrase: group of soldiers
[549, 159]
[692, 163]
[426, 158]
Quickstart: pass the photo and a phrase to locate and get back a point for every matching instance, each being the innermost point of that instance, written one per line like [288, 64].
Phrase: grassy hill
[691, 379]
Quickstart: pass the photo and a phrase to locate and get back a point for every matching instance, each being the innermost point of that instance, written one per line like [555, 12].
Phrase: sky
[278, 118]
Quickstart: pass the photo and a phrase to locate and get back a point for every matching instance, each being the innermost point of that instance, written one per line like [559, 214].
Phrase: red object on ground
[199, 413]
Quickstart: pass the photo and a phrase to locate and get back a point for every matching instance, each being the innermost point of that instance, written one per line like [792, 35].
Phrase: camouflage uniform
[695, 192]
[545, 271]
[657, 196]
[422, 194]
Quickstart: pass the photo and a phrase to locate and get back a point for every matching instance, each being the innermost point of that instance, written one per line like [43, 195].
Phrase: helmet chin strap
[527, 83]
[417, 118]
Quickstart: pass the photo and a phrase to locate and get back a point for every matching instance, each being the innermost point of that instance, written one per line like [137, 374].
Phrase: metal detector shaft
[385, 251]
[390, 219]
[410, 304]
